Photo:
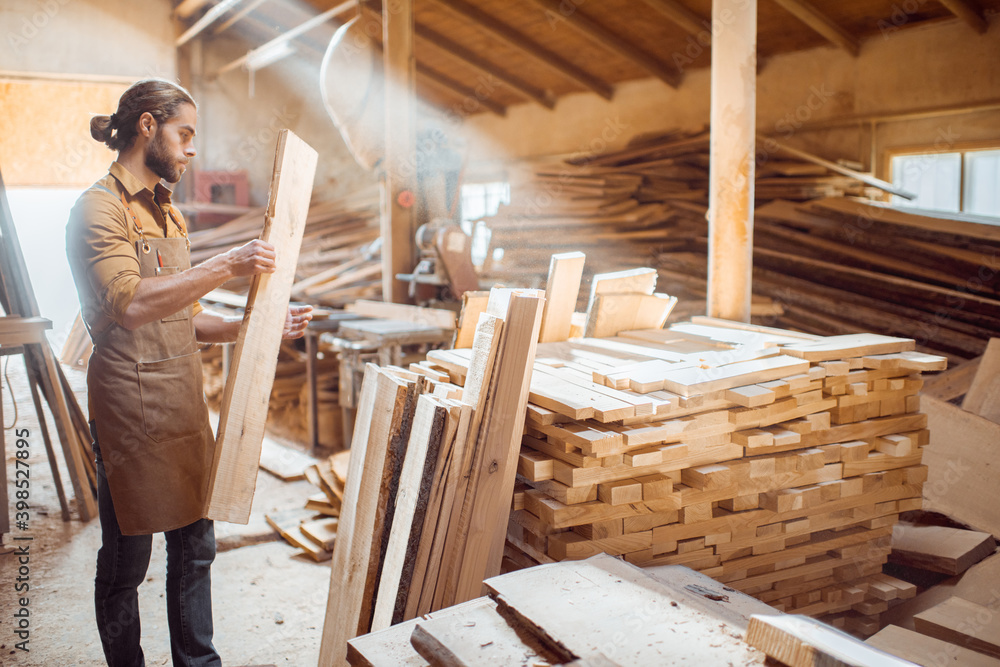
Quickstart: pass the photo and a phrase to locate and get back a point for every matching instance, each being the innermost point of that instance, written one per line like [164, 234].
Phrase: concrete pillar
[732, 154]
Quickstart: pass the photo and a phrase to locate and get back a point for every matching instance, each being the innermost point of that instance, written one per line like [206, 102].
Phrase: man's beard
[160, 162]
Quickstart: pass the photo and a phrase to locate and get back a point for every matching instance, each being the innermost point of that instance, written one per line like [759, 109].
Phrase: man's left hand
[296, 321]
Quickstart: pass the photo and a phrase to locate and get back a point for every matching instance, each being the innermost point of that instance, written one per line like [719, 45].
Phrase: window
[960, 181]
[481, 200]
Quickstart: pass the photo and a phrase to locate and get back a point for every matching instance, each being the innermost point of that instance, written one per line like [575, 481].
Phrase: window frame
[934, 149]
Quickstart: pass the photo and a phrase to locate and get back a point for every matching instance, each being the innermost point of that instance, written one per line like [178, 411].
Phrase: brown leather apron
[152, 421]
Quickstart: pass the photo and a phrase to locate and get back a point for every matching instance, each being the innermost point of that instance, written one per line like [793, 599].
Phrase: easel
[17, 298]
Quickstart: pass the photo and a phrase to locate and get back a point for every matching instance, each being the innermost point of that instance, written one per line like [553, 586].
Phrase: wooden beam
[300, 29]
[561, 293]
[732, 161]
[968, 12]
[208, 19]
[398, 219]
[821, 23]
[248, 386]
[232, 20]
[681, 15]
[188, 7]
[450, 86]
[610, 41]
[463, 55]
[518, 41]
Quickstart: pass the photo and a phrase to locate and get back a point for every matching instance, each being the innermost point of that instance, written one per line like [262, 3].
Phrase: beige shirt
[101, 242]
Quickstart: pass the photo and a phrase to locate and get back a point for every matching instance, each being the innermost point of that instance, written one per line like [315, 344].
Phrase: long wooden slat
[681, 15]
[498, 445]
[561, 292]
[248, 386]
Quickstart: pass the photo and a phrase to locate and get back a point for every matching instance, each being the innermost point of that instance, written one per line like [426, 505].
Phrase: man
[153, 445]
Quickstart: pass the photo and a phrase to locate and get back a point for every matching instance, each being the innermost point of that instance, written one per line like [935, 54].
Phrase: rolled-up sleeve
[99, 247]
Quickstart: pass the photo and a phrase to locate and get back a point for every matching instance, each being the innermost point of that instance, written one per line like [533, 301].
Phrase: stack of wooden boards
[600, 611]
[774, 461]
[933, 279]
[313, 528]
[339, 261]
[431, 480]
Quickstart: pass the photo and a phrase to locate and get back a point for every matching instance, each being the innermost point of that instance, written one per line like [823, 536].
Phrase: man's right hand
[251, 258]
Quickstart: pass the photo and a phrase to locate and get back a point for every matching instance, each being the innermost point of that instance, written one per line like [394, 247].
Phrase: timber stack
[819, 243]
[774, 461]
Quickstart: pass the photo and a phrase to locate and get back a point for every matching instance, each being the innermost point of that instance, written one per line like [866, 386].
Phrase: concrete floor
[269, 603]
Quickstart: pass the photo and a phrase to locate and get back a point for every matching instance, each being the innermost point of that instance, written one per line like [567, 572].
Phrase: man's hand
[296, 321]
[251, 258]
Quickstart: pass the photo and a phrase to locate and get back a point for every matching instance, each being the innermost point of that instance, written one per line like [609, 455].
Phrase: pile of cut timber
[339, 260]
[431, 480]
[313, 528]
[899, 272]
[774, 461]
[600, 611]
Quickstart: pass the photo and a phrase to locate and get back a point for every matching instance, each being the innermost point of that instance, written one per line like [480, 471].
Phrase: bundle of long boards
[431, 480]
[933, 278]
[339, 260]
[774, 461]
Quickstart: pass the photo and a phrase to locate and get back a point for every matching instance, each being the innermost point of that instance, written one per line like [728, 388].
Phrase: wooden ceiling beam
[681, 15]
[596, 32]
[228, 23]
[206, 20]
[516, 40]
[463, 55]
[968, 12]
[188, 7]
[431, 77]
[821, 23]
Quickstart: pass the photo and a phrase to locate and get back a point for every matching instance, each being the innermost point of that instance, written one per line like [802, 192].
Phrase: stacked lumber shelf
[774, 461]
[935, 279]
[431, 480]
[339, 260]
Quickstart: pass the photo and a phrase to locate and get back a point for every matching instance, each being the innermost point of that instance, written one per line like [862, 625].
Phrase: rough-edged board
[606, 607]
[927, 651]
[481, 637]
[983, 397]
[561, 293]
[381, 398]
[248, 386]
[964, 623]
[962, 465]
[799, 641]
[832, 348]
[939, 548]
[411, 501]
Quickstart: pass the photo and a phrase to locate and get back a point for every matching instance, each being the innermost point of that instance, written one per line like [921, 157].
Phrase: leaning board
[248, 388]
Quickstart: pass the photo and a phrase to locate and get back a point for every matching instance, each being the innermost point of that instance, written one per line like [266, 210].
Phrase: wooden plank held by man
[245, 400]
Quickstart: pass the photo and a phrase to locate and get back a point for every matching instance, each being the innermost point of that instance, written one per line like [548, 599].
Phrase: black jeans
[121, 566]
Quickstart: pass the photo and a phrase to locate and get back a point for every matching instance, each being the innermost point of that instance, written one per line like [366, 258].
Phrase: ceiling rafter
[968, 12]
[609, 40]
[438, 80]
[821, 23]
[512, 38]
[688, 20]
[469, 58]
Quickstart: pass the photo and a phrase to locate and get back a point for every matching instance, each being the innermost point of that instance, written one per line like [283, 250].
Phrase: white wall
[97, 37]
